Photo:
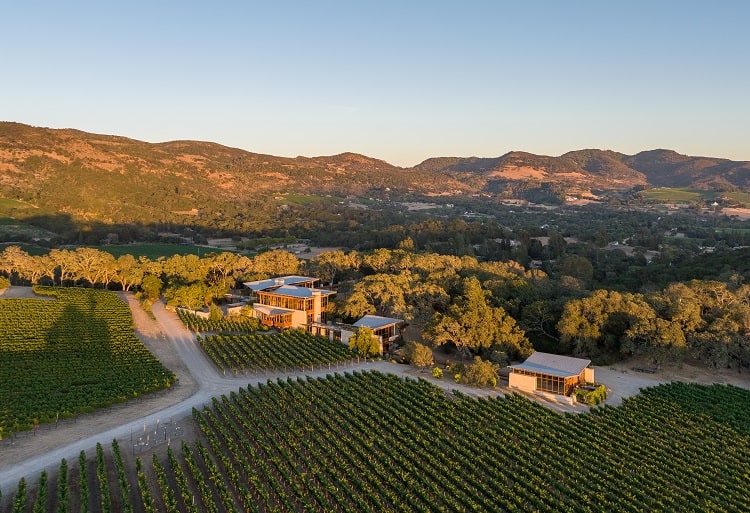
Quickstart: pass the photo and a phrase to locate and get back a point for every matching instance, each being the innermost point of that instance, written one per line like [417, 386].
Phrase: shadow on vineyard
[70, 356]
[368, 441]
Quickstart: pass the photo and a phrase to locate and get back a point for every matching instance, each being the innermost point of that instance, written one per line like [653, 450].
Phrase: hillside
[109, 179]
[113, 179]
[597, 169]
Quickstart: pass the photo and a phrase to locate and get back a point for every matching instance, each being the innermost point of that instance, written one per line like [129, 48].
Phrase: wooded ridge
[114, 179]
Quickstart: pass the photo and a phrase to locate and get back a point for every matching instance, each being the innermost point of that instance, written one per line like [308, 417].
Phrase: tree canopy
[364, 342]
[470, 322]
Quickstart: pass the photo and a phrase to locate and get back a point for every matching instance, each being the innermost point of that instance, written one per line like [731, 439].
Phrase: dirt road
[198, 381]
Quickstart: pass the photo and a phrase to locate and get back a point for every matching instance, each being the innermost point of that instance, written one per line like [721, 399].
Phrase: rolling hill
[111, 179]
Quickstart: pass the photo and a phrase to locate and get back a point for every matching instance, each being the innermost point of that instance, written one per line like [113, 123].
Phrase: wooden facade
[291, 293]
[315, 305]
[550, 373]
[385, 329]
[551, 383]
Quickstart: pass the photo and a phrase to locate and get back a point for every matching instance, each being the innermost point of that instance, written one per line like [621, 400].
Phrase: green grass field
[154, 251]
[740, 197]
[677, 195]
[7, 204]
[689, 195]
[151, 251]
[28, 248]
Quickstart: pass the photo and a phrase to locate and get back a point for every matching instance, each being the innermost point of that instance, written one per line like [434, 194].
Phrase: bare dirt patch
[519, 172]
[16, 292]
[689, 372]
[741, 213]
[623, 380]
[620, 379]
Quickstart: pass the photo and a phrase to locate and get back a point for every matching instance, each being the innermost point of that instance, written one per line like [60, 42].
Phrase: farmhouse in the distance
[553, 373]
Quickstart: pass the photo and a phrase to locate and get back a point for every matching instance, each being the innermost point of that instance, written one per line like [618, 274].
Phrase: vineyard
[375, 442]
[70, 353]
[287, 350]
[234, 324]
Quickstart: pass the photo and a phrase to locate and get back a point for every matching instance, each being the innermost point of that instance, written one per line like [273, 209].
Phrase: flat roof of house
[375, 322]
[553, 364]
[300, 292]
[275, 282]
[272, 310]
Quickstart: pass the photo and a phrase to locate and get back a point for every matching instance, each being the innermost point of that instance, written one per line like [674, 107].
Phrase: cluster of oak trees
[708, 320]
[498, 310]
[185, 280]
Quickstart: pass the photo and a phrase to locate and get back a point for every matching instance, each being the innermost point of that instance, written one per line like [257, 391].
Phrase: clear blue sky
[397, 80]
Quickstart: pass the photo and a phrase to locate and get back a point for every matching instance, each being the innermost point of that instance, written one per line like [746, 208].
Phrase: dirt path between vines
[144, 425]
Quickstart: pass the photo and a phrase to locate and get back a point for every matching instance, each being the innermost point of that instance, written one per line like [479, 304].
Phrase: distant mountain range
[108, 178]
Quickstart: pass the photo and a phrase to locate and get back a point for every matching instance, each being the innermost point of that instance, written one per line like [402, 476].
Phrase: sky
[400, 81]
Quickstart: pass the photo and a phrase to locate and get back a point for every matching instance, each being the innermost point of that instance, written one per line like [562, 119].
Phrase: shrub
[482, 373]
[437, 372]
[215, 313]
[421, 355]
[364, 342]
[498, 357]
[4, 283]
[591, 397]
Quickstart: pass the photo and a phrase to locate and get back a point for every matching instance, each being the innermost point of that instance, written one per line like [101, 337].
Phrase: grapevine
[72, 353]
[368, 441]
[287, 350]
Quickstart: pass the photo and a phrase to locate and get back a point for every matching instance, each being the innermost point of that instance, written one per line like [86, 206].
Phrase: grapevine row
[286, 350]
[70, 354]
[235, 324]
[369, 441]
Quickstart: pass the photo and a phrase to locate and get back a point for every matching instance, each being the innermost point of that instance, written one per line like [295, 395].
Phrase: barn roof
[553, 364]
[375, 321]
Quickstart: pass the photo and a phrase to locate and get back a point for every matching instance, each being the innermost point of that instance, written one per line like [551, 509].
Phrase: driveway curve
[198, 381]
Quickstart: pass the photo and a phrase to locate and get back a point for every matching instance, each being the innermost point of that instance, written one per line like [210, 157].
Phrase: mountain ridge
[79, 173]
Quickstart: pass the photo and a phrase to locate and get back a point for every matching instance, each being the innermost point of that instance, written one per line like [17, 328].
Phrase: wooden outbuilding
[553, 373]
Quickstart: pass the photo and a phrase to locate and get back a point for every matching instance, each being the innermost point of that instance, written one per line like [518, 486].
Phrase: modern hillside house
[551, 373]
[294, 302]
[298, 281]
[289, 301]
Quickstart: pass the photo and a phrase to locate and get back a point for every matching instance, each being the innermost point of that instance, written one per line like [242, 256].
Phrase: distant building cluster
[296, 302]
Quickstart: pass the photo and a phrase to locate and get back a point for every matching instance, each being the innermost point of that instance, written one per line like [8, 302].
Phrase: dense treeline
[705, 319]
[188, 280]
[499, 310]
